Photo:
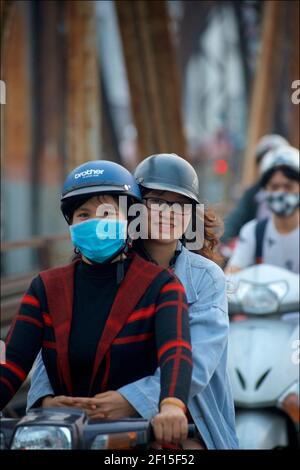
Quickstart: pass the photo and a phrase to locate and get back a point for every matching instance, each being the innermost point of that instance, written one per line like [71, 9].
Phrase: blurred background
[121, 80]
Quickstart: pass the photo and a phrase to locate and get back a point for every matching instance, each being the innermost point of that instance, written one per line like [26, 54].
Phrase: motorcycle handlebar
[192, 432]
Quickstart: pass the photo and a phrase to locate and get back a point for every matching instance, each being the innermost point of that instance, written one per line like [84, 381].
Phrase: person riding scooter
[110, 317]
[273, 240]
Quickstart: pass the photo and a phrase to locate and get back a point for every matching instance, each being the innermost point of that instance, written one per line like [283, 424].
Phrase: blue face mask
[99, 239]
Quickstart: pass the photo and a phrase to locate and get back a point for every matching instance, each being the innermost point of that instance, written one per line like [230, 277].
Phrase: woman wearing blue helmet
[101, 182]
[107, 319]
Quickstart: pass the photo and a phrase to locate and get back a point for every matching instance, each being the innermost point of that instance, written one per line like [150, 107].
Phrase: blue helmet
[96, 177]
[100, 176]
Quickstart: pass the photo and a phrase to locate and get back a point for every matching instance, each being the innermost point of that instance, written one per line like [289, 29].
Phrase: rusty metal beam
[3, 8]
[16, 115]
[49, 95]
[7, 12]
[152, 75]
[262, 106]
[295, 71]
[83, 96]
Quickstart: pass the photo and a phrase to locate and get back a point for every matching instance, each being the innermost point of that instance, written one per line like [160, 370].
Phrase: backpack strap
[59, 287]
[260, 229]
[138, 278]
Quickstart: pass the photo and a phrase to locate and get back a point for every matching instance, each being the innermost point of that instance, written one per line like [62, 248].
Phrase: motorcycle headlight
[260, 299]
[42, 437]
[289, 402]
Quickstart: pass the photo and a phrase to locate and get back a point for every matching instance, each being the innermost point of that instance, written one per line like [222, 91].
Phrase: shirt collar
[183, 270]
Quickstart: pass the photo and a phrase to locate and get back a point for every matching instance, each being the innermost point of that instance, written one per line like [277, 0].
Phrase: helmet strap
[120, 271]
[120, 262]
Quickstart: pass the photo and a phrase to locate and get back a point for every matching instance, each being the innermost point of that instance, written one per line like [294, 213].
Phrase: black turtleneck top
[94, 293]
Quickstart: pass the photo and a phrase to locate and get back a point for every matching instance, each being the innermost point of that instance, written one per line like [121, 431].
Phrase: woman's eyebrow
[82, 209]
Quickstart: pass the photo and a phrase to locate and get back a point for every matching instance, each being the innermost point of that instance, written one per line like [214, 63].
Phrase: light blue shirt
[210, 402]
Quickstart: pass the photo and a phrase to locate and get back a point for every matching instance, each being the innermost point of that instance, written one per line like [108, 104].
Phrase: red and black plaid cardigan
[146, 327]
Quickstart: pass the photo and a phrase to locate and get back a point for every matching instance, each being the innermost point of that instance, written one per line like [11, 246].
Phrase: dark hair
[213, 230]
[288, 172]
[69, 206]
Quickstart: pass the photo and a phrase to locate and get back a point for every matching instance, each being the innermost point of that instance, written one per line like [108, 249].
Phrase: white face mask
[283, 204]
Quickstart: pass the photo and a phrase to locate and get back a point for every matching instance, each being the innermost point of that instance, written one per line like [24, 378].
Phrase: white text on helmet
[88, 173]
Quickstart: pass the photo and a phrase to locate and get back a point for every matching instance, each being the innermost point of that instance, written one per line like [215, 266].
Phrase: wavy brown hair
[213, 230]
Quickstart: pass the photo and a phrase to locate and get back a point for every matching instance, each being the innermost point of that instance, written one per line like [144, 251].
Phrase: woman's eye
[83, 215]
[109, 213]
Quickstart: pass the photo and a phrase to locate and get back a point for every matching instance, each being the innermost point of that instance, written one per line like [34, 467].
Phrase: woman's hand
[108, 405]
[62, 400]
[170, 425]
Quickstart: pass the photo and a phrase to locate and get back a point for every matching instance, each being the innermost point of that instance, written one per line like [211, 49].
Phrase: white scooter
[264, 356]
